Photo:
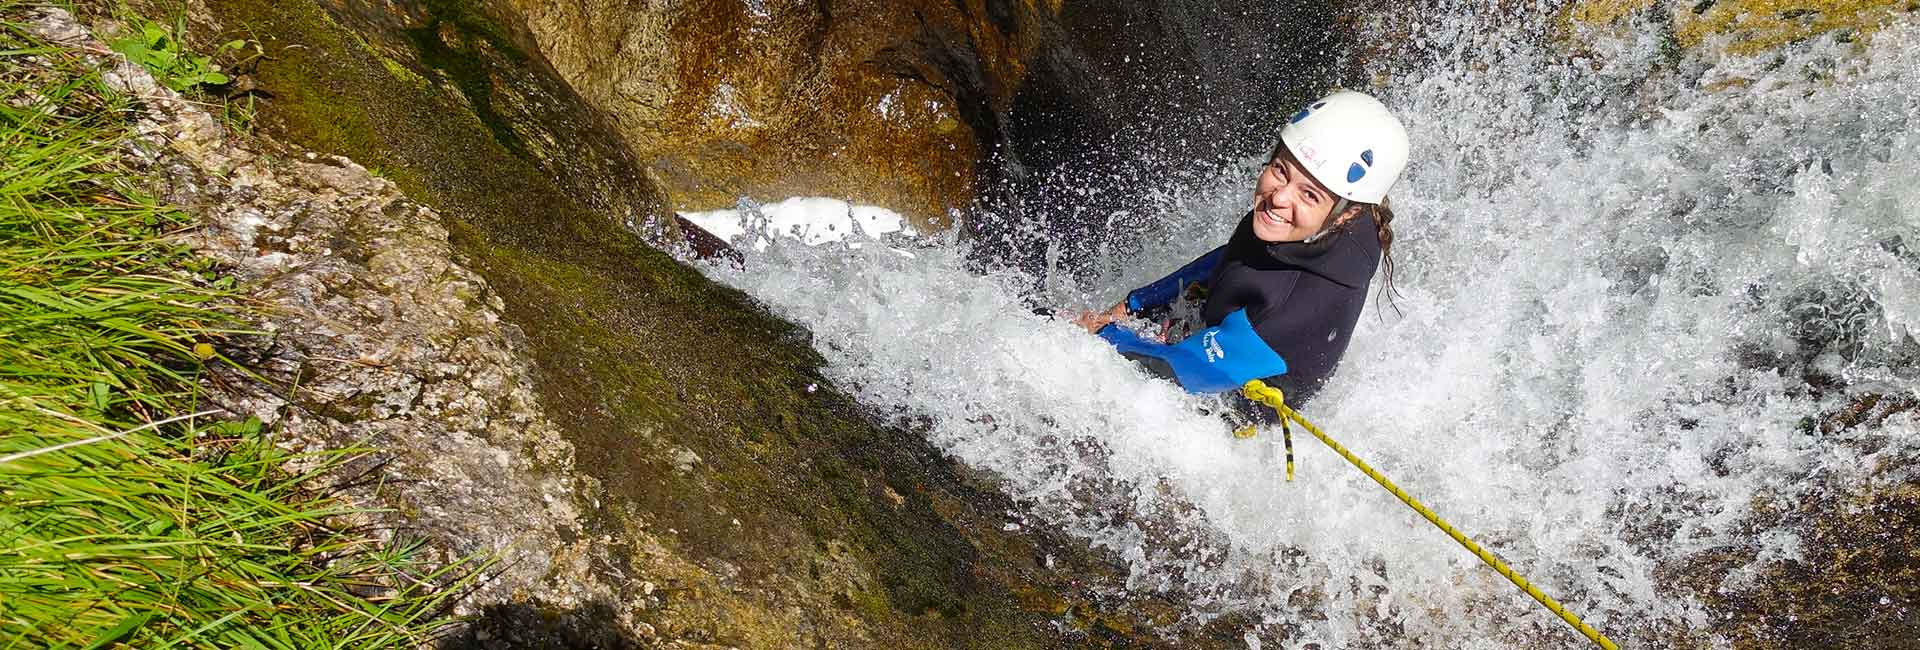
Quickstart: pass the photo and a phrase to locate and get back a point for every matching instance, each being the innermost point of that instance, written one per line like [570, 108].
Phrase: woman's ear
[1352, 212]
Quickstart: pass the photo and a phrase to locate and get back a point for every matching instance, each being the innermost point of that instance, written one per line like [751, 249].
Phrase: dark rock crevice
[1126, 94]
[548, 388]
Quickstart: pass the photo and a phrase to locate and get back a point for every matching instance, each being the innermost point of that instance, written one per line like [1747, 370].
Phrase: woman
[1279, 301]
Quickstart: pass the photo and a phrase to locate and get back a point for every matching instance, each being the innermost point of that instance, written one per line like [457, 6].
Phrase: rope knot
[1259, 391]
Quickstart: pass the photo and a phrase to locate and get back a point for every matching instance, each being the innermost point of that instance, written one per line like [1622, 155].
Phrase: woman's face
[1288, 204]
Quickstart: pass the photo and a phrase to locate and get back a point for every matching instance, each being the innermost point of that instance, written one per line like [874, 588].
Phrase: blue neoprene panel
[1166, 289]
[1213, 360]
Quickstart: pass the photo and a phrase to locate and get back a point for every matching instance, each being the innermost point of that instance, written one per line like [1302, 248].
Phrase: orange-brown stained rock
[854, 99]
[1748, 26]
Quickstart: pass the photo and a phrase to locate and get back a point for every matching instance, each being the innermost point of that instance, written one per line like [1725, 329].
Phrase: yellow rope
[1260, 392]
[1286, 433]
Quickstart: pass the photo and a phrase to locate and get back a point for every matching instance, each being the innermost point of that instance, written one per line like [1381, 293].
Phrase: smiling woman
[1279, 300]
[1290, 204]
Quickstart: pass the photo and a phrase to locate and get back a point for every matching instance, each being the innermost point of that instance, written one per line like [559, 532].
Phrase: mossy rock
[1748, 26]
[1856, 585]
[704, 420]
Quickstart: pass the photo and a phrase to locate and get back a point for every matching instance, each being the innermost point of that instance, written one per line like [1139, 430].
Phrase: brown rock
[1750, 26]
[872, 101]
[528, 367]
[924, 106]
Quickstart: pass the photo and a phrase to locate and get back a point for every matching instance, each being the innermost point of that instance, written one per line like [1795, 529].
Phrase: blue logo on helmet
[1359, 169]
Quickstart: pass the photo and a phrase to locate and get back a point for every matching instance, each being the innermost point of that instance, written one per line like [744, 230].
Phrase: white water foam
[810, 219]
[1619, 270]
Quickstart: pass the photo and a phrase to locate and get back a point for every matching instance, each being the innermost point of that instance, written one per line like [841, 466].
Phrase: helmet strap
[1333, 221]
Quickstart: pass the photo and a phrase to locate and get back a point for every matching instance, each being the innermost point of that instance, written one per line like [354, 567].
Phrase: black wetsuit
[1302, 300]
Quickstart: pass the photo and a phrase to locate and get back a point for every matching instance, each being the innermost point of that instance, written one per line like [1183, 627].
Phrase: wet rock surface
[926, 106]
[373, 338]
[1126, 94]
[881, 102]
[1746, 26]
[652, 460]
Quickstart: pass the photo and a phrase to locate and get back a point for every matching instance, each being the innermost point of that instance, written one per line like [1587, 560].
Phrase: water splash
[1616, 315]
[810, 219]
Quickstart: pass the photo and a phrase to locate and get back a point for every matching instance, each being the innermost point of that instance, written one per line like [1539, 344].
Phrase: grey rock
[372, 337]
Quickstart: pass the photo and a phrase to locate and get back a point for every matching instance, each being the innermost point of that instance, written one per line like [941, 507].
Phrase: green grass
[129, 516]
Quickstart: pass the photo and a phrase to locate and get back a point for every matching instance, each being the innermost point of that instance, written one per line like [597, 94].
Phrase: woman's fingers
[1092, 321]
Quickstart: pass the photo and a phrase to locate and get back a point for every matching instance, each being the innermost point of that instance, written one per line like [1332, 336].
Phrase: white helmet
[1350, 143]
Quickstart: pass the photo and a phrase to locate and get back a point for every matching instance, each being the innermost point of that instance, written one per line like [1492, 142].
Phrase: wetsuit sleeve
[1165, 290]
[1213, 360]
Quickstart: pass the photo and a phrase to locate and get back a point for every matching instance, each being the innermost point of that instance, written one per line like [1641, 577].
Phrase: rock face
[1126, 94]
[923, 105]
[375, 337]
[1168, 83]
[875, 101]
[1858, 578]
[1751, 26]
[654, 460]
[372, 337]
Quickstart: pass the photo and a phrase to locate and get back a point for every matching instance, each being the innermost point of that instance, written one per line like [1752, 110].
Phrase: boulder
[456, 272]
[929, 107]
[879, 102]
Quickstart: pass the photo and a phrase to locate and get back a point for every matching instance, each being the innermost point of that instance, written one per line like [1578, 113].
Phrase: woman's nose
[1281, 197]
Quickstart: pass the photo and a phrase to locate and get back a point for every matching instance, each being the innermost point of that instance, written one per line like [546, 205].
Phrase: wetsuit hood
[1348, 256]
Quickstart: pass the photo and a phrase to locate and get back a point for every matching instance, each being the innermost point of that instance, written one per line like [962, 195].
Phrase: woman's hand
[1094, 320]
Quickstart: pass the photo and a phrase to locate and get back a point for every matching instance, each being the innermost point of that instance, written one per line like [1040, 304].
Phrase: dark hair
[1383, 227]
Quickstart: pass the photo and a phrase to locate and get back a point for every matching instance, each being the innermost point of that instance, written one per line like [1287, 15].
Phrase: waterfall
[1634, 278]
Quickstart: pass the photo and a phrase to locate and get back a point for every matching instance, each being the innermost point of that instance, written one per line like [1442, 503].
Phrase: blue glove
[1214, 360]
[1166, 289]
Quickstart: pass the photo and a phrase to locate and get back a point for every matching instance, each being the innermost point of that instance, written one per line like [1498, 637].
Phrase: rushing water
[1627, 275]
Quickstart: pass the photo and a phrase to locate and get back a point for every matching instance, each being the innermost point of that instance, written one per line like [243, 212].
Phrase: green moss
[636, 355]
[472, 19]
[402, 72]
[741, 378]
[872, 604]
[463, 63]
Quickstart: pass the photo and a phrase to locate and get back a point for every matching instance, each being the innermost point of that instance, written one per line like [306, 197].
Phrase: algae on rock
[654, 459]
[1747, 26]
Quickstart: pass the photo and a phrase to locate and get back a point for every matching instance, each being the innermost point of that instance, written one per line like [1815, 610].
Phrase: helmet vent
[1353, 133]
[1304, 112]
